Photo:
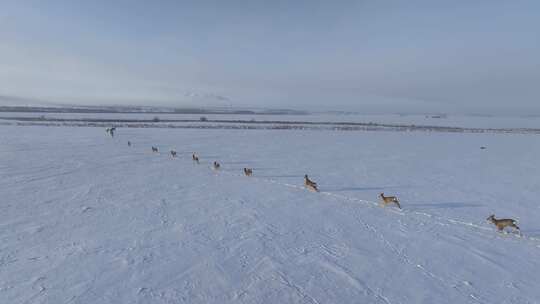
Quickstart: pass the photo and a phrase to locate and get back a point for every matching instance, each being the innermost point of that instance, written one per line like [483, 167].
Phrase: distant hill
[143, 109]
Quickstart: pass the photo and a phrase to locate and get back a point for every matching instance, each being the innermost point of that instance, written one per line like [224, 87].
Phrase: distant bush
[203, 118]
[156, 119]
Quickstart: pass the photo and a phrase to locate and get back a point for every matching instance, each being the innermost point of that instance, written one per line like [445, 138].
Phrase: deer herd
[501, 224]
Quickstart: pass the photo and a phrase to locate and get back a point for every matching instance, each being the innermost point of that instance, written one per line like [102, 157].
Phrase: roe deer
[248, 171]
[389, 199]
[310, 184]
[503, 223]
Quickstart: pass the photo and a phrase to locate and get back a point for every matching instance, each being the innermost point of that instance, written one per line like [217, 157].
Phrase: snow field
[86, 219]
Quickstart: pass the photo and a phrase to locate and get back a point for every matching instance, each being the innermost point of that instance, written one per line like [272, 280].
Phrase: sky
[466, 56]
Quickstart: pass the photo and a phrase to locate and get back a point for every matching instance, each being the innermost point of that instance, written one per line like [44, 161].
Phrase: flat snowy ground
[86, 219]
[462, 121]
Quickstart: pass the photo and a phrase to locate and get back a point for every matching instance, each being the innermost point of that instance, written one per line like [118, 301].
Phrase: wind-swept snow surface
[86, 219]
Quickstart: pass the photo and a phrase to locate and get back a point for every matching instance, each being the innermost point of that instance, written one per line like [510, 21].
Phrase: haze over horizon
[414, 56]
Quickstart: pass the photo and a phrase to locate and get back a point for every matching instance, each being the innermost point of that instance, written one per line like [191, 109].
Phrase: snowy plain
[463, 121]
[86, 219]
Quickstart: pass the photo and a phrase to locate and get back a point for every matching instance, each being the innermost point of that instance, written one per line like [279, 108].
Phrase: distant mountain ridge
[148, 109]
[9, 103]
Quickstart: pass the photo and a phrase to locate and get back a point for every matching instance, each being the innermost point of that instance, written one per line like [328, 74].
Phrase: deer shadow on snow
[330, 188]
[299, 176]
[443, 205]
[535, 233]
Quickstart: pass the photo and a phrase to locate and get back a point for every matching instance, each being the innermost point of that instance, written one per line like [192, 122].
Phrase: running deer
[110, 131]
[503, 223]
[248, 171]
[154, 149]
[310, 184]
[389, 199]
[216, 165]
[195, 158]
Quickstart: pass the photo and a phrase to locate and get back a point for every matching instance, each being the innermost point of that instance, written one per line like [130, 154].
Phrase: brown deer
[216, 165]
[389, 199]
[310, 184]
[155, 149]
[248, 171]
[110, 131]
[503, 223]
[195, 158]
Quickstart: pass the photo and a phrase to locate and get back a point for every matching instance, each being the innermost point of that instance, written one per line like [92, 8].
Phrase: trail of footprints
[465, 289]
[312, 186]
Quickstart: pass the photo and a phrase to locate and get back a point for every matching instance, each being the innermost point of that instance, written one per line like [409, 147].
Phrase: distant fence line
[260, 125]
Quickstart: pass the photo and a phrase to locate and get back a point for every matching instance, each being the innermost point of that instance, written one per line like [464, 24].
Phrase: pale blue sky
[463, 56]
